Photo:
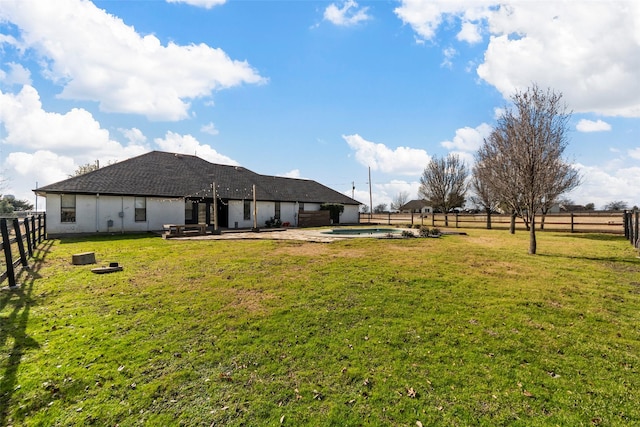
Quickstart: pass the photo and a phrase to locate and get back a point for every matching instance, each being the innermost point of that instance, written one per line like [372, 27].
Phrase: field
[584, 222]
[452, 331]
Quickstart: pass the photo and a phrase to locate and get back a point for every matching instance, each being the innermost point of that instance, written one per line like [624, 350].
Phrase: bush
[407, 233]
[424, 231]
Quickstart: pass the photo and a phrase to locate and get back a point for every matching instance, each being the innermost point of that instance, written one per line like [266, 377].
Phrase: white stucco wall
[350, 215]
[114, 214]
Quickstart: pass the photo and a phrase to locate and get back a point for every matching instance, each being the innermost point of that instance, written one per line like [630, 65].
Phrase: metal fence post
[6, 244]
[39, 228]
[18, 233]
[637, 230]
[27, 233]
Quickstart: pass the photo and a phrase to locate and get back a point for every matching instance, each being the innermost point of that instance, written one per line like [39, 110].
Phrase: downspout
[122, 214]
[97, 211]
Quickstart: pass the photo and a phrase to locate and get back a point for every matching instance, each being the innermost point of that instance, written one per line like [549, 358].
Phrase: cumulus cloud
[346, 14]
[401, 160]
[295, 173]
[28, 126]
[468, 139]
[210, 128]
[187, 144]
[601, 186]
[207, 4]
[585, 125]
[635, 153]
[95, 56]
[16, 75]
[589, 51]
[51, 146]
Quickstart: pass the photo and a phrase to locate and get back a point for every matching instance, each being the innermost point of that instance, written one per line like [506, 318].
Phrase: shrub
[407, 233]
[424, 231]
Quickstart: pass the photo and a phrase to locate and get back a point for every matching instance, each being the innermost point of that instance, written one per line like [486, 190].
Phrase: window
[247, 210]
[141, 209]
[68, 208]
[188, 210]
[277, 215]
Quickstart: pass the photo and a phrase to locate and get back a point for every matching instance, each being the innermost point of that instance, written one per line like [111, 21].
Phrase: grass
[461, 330]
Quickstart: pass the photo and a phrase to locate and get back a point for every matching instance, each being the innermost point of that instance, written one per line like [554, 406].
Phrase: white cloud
[51, 146]
[134, 136]
[470, 33]
[187, 144]
[75, 133]
[295, 173]
[402, 160]
[588, 50]
[448, 53]
[635, 153]
[349, 13]
[207, 4]
[16, 75]
[210, 128]
[585, 125]
[601, 186]
[95, 56]
[468, 139]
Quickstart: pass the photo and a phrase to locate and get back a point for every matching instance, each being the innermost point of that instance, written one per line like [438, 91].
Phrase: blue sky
[312, 89]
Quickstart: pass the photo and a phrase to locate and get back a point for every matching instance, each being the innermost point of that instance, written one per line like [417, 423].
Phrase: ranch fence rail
[574, 222]
[20, 237]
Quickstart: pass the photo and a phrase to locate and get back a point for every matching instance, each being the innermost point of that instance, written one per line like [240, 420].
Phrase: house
[145, 192]
[416, 206]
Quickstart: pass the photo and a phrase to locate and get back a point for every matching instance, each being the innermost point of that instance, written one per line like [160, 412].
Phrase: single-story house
[148, 191]
[416, 206]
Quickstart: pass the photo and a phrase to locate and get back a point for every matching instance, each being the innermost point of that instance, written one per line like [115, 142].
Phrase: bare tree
[400, 200]
[617, 205]
[86, 168]
[484, 196]
[444, 183]
[523, 155]
[380, 208]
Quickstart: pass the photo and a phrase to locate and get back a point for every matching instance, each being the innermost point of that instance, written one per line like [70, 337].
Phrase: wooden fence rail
[578, 222]
[23, 235]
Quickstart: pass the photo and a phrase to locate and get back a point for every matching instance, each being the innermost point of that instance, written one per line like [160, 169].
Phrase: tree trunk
[532, 237]
[512, 226]
[488, 210]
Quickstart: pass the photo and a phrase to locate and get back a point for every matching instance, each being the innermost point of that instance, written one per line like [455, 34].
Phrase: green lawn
[461, 330]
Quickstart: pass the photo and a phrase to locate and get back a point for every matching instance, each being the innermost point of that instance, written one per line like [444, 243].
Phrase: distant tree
[9, 204]
[617, 205]
[400, 200]
[523, 155]
[364, 208]
[380, 208]
[444, 183]
[484, 195]
[86, 168]
[590, 207]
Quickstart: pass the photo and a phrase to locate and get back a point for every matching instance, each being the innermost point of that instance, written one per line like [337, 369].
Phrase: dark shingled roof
[161, 174]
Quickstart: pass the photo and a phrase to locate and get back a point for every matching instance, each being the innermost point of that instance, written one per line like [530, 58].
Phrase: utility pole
[370, 196]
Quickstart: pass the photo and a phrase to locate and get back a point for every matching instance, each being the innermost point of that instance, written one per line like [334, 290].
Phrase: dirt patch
[250, 300]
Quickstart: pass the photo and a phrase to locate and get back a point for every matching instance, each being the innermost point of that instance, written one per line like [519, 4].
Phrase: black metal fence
[20, 237]
[632, 227]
